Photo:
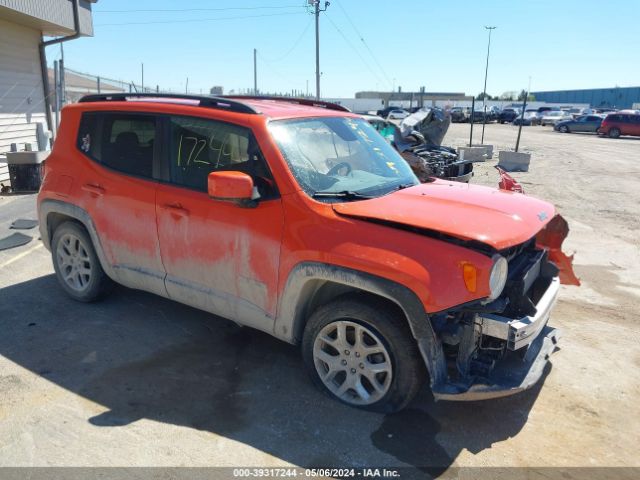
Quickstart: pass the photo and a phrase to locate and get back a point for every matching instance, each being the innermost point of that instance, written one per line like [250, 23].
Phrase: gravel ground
[138, 380]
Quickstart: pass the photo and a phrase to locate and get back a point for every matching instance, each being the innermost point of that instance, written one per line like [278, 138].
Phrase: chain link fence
[72, 85]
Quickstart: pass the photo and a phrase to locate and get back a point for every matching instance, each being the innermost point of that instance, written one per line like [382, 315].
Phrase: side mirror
[231, 186]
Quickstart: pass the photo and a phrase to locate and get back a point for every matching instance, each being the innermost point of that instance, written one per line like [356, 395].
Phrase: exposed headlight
[498, 276]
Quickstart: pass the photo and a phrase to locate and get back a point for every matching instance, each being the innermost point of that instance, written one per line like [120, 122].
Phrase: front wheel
[360, 351]
[563, 129]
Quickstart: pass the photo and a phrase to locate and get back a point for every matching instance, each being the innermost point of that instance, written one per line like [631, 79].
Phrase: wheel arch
[311, 284]
[52, 213]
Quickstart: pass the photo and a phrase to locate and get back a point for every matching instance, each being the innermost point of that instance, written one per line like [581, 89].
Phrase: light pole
[484, 92]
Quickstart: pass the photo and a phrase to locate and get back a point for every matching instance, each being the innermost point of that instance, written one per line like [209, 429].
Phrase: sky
[364, 45]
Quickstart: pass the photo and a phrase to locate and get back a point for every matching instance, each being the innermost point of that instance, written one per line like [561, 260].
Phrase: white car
[398, 114]
[554, 116]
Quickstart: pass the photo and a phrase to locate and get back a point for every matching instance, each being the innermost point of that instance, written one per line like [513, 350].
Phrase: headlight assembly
[498, 276]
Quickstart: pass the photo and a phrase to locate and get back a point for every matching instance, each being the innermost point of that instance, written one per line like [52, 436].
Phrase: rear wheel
[361, 352]
[76, 264]
[614, 132]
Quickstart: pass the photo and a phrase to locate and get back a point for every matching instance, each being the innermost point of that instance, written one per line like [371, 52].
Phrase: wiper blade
[346, 194]
[402, 186]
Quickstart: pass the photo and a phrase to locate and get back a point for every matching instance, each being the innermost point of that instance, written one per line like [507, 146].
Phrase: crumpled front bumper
[511, 375]
[530, 343]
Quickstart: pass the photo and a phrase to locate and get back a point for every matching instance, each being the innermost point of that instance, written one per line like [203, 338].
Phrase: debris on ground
[14, 240]
[24, 224]
[507, 182]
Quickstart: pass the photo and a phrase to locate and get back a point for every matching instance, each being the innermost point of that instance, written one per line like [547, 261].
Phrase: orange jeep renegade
[297, 218]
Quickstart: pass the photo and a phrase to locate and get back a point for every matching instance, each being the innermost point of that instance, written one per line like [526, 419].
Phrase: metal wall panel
[616, 97]
[55, 12]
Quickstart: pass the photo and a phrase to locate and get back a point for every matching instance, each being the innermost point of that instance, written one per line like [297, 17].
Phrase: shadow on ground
[141, 356]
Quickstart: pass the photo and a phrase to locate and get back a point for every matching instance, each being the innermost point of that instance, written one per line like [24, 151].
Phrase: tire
[394, 362]
[76, 264]
[563, 129]
[614, 132]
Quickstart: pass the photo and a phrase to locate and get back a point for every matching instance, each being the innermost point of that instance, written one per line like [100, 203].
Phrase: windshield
[340, 154]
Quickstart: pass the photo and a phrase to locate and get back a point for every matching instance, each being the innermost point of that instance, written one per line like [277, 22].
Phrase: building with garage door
[26, 28]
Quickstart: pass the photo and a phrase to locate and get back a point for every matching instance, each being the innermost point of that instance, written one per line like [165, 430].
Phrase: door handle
[176, 209]
[93, 188]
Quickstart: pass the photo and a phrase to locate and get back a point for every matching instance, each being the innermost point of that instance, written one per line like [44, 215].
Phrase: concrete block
[478, 154]
[514, 161]
[487, 148]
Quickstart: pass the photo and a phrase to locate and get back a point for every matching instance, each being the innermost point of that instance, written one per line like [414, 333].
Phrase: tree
[509, 95]
[530, 98]
[481, 96]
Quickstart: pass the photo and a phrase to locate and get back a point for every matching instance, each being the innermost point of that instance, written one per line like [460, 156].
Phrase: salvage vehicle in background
[398, 114]
[508, 115]
[459, 115]
[426, 157]
[295, 217]
[529, 118]
[554, 116]
[620, 123]
[584, 123]
[384, 113]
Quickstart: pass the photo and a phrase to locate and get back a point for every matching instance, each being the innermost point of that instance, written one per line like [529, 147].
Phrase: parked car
[584, 123]
[554, 116]
[543, 110]
[458, 115]
[398, 114]
[508, 115]
[616, 124]
[384, 113]
[529, 118]
[305, 224]
[493, 113]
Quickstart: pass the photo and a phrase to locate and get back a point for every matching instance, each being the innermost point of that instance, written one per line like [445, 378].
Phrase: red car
[297, 218]
[620, 123]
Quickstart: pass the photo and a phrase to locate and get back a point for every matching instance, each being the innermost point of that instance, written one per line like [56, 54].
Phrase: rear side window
[613, 118]
[121, 141]
[200, 146]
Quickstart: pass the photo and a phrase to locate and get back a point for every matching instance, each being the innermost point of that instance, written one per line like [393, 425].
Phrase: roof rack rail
[309, 102]
[222, 103]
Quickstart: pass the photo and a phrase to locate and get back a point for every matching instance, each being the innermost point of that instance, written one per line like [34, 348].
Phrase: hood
[497, 218]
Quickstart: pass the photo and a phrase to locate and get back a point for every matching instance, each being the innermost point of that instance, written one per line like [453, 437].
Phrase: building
[24, 90]
[406, 99]
[616, 97]
[217, 90]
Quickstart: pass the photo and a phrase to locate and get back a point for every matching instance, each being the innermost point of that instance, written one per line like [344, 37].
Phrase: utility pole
[255, 73]
[317, 10]
[186, 87]
[484, 92]
[142, 66]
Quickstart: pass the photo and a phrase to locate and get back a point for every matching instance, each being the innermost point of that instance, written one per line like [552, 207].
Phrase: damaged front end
[500, 347]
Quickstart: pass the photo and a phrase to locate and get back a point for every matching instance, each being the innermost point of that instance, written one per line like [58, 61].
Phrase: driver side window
[199, 146]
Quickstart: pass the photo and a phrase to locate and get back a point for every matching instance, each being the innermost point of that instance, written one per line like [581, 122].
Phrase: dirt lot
[138, 380]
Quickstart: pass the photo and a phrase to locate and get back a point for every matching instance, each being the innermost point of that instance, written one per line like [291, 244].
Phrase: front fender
[290, 320]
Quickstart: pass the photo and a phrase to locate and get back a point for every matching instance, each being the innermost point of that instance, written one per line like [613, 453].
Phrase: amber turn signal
[470, 275]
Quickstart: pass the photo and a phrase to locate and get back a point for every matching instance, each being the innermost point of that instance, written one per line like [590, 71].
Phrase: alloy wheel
[352, 362]
[74, 262]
